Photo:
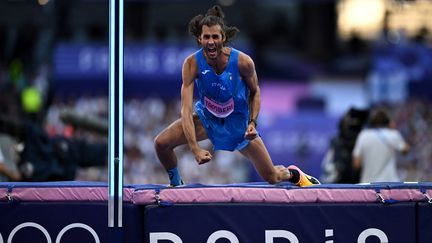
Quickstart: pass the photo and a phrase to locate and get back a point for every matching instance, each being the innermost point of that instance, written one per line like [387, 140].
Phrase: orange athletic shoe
[305, 179]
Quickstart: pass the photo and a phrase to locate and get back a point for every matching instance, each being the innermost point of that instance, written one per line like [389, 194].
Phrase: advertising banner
[149, 69]
[424, 222]
[64, 222]
[141, 61]
[293, 223]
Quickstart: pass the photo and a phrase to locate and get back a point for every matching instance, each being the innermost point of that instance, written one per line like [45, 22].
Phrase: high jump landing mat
[69, 212]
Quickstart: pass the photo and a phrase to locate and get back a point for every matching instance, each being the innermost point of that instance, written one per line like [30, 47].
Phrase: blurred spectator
[375, 149]
[8, 159]
[337, 163]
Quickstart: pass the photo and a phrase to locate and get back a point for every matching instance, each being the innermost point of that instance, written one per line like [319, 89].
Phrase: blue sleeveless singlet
[223, 103]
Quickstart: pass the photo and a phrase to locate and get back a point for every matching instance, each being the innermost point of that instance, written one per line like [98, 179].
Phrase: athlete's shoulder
[245, 62]
[190, 67]
[191, 59]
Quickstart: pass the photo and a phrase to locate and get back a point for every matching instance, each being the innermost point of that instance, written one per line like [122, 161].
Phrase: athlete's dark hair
[214, 16]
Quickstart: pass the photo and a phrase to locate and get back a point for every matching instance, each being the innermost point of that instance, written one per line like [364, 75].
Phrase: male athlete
[227, 109]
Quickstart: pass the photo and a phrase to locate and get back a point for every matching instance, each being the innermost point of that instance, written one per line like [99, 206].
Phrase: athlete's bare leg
[257, 153]
[173, 136]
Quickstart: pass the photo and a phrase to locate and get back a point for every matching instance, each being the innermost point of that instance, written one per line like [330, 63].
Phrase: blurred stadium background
[316, 61]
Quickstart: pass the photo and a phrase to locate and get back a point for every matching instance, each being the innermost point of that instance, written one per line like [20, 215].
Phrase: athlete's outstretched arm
[249, 75]
[189, 73]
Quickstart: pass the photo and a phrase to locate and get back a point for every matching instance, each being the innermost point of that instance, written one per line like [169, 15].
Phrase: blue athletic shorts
[225, 133]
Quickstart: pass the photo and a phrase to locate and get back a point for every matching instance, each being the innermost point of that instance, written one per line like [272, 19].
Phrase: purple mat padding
[58, 191]
[265, 195]
[232, 193]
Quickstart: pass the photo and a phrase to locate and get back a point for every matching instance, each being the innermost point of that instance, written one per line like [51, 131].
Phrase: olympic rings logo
[47, 235]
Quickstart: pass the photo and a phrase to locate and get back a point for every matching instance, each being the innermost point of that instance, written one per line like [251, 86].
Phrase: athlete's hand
[251, 132]
[202, 156]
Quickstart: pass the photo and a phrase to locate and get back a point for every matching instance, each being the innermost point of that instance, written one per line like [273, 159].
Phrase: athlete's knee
[161, 143]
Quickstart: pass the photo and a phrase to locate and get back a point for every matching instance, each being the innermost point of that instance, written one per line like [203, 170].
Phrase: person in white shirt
[8, 160]
[376, 149]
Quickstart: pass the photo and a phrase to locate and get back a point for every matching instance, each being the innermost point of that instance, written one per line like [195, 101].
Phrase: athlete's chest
[222, 82]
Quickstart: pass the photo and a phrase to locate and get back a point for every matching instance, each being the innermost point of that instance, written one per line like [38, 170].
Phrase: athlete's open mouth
[212, 51]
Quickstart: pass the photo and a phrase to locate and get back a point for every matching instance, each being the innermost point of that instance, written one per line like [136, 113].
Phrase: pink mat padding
[216, 194]
[404, 195]
[144, 197]
[3, 193]
[66, 194]
[266, 195]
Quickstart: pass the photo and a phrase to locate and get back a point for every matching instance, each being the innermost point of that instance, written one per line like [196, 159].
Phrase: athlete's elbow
[255, 91]
[186, 112]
